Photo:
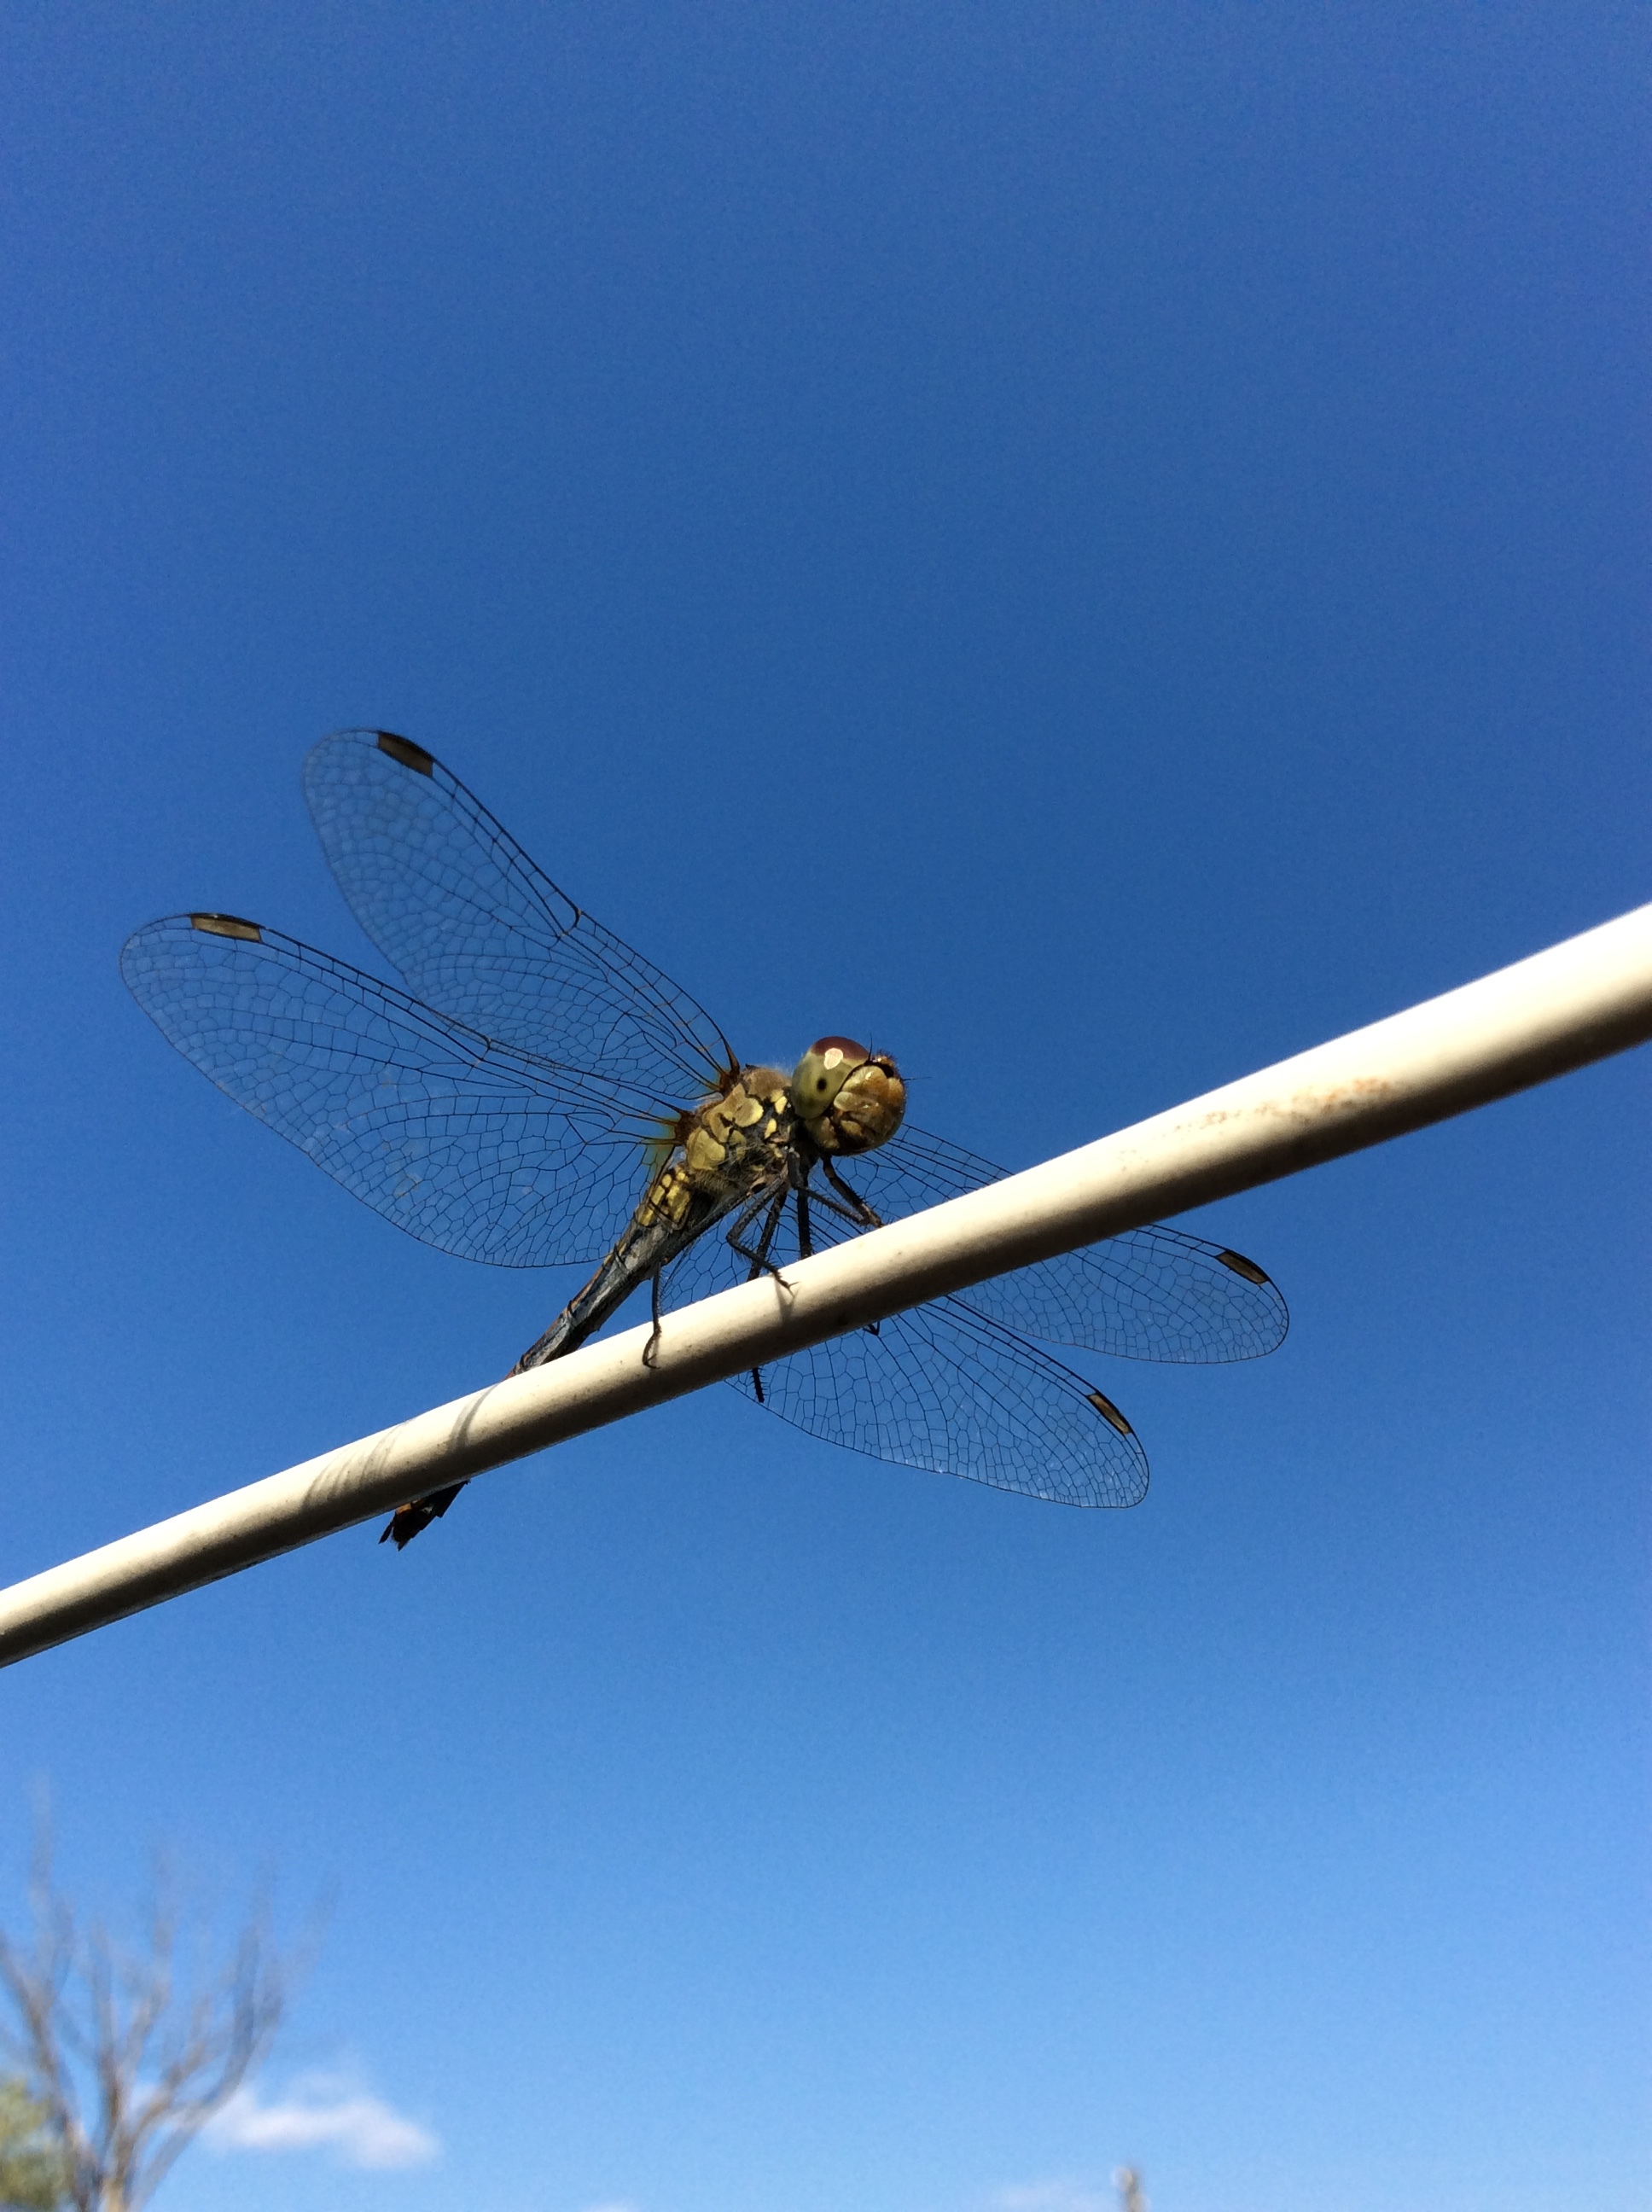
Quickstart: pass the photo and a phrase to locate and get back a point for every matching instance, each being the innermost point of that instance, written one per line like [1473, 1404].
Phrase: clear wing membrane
[473, 926]
[1151, 1294]
[472, 1147]
[954, 1385]
[940, 1387]
[943, 1388]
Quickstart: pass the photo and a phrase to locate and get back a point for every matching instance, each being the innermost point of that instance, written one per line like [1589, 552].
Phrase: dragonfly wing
[1153, 1294]
[469, 1146]
[475, 927]
[942, 1386]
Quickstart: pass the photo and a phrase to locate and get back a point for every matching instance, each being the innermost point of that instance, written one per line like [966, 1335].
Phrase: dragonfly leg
[863, 1217]
[760, 1258]
[761, 1262]
[857, 1210]
[651, 1350]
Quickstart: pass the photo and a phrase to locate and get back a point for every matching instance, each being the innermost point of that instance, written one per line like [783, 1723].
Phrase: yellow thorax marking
[718, 1130]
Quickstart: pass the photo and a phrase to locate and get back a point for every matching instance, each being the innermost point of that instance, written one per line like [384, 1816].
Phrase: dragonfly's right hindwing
[943, 1388]
[469, 1146]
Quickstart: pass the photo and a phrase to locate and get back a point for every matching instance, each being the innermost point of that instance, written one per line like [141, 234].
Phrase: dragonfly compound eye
[822, 1073]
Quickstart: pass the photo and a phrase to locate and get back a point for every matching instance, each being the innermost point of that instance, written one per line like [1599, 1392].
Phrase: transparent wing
[466, 1144]
[1151, 1294]
[474, 927]
[941, 1387]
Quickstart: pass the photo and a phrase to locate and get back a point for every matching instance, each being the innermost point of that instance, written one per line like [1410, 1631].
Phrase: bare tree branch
[125, 2063]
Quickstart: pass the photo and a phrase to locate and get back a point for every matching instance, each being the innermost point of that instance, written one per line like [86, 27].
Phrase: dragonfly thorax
[733, 1143]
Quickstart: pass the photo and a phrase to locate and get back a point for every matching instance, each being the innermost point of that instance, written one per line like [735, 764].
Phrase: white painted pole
[1575, 1003]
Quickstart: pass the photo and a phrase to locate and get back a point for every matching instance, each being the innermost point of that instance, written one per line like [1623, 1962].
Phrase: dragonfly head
[849, 1099]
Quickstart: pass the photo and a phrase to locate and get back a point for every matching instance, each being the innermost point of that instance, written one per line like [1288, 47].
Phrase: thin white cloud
[616, 2207]
[322, 2112]
[1059, 2196]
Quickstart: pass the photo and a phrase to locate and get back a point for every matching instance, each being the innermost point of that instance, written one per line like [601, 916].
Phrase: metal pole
[1577, 1002]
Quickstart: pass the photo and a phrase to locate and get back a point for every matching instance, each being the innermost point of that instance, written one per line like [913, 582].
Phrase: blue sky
[1104, 546]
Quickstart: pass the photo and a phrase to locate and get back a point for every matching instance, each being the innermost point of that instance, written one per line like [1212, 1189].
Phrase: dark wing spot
[1109, 1412]
[1241, 1266]
[404, 751]
[227, 925]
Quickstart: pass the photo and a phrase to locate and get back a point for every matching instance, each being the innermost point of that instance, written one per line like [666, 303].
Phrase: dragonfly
[539, 1094]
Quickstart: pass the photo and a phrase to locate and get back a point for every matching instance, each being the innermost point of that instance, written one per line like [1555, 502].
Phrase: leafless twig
[127, 2056]
[1127, 2180]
